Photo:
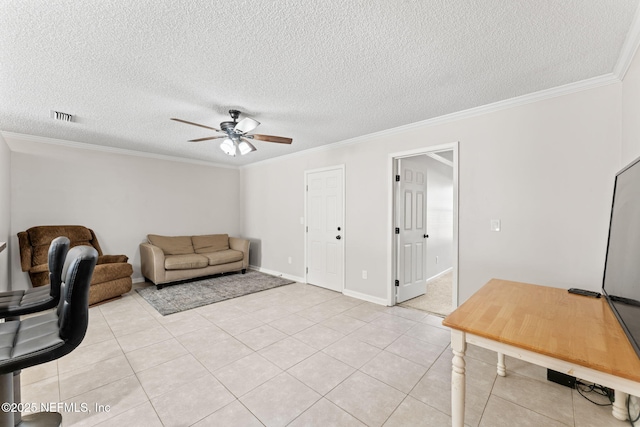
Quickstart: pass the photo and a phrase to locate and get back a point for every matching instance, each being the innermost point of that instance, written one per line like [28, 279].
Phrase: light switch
[495, 225]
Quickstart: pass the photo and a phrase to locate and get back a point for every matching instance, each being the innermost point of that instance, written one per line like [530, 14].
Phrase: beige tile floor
[296, 355]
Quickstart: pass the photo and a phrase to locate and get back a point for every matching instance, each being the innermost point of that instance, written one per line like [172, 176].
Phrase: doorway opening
[423, 249]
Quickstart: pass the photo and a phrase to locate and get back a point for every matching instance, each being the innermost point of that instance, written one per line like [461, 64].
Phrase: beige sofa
[166, 259]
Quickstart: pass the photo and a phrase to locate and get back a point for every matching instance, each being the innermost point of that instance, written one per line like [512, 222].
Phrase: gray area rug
[184, 296]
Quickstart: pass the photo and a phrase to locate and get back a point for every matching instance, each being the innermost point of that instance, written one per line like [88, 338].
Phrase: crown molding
[627, 53]
[10, 138]
[567, 89]
[542, 95]
[629, 48]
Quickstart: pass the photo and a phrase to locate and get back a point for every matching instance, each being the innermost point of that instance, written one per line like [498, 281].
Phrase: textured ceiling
[316, 71]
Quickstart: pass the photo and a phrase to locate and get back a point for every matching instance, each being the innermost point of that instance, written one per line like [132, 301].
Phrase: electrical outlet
[436, 259]
[364, 274]
[290, 260]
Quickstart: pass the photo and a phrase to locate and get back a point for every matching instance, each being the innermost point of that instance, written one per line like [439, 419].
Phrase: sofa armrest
[152, 262]
[241, 245]
[112, 259]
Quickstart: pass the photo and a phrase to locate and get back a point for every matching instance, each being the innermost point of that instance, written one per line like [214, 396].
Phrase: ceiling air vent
[58, 115]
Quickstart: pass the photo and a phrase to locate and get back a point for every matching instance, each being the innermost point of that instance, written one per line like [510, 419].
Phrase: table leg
[502, 368]
[620, 405]
[458, 381]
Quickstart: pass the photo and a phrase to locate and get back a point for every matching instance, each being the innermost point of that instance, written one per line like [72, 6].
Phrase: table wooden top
[550, 321]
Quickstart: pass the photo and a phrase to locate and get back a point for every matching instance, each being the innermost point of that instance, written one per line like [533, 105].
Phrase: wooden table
[577, 335]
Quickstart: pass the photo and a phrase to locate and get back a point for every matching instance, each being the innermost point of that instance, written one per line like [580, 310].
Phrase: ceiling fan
[236, 134]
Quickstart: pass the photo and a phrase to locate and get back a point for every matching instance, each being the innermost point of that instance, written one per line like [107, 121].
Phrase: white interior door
[411, 222]
[325, 228]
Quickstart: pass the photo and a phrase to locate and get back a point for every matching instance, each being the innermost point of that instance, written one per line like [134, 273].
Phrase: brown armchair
[111, 277]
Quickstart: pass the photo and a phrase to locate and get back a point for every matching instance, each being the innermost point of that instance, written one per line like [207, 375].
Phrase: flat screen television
[621, 282]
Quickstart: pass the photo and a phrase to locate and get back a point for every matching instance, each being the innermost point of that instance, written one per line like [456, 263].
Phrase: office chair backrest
[73, 308]
[57, 255]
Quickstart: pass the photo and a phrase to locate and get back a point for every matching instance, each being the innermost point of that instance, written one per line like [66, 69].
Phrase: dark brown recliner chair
[111, 277]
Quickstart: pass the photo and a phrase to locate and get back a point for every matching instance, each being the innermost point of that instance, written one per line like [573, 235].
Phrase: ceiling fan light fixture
[246, 125]
[235, 134]
[245, 147]
[228, 147]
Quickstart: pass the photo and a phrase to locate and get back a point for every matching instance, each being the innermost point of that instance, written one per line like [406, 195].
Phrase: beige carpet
[437, 300]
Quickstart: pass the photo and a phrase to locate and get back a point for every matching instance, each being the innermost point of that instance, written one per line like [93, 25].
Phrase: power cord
[597, 389]
[604, 391]
[632, 422]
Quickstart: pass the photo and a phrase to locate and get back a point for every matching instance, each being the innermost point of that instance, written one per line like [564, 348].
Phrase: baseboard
[365, 297]
[277, 273]
[138, 280]
[346, 292]
[430, 279]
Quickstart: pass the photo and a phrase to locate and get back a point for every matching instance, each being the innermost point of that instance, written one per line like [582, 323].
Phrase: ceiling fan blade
[207, 138]
[246, 125]
[194, 124]
[271, 138]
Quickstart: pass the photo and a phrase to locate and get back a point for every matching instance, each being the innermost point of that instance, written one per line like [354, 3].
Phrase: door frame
[413, 285]
[391, 237]
[344, 228]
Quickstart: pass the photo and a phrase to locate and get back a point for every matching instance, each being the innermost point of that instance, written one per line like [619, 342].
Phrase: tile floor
[296, 355]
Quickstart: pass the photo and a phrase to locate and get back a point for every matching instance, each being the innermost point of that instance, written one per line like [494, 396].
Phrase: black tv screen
[621, 282]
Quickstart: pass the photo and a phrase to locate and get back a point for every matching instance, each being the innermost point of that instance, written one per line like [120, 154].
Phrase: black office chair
[48, 336]
[17, 303]
[14, 304]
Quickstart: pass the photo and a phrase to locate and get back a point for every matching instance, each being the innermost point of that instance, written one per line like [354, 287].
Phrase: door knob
[426, 236]
[338, 237]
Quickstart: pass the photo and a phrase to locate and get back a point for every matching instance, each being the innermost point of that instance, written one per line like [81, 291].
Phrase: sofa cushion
[184, 262]
[172, 245]
[111, 259]
[210, 243]
[224, 257]
[111, 271]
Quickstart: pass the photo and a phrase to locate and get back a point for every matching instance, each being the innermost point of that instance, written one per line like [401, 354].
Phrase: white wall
[439, 216]
[545, 169]
[5, 213]
[273, 223]
[121, 197]
[631, 112]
